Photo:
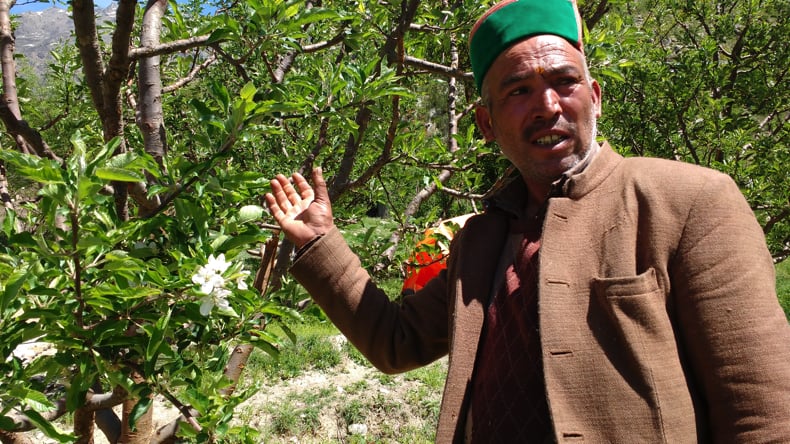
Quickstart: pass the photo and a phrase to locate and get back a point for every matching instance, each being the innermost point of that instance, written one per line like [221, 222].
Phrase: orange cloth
[424, 266]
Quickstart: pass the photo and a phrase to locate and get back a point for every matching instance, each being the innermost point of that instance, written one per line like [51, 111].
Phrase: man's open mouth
[550, 140]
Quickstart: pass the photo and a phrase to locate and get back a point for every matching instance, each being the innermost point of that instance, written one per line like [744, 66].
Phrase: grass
[312, 350]
[783, 286]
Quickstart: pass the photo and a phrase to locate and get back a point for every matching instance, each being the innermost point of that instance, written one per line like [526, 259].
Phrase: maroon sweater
[508, 396]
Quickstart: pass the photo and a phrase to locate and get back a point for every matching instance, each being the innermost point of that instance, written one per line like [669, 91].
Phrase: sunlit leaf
[119, 174]
[33, 167]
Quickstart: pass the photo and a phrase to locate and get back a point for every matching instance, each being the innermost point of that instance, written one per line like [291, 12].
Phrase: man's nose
[547, 105]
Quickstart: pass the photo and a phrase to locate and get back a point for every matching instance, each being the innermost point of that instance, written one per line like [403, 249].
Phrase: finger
[294, 192]
[271, 204]
[278, 184]
[305, 190]
[276, 208]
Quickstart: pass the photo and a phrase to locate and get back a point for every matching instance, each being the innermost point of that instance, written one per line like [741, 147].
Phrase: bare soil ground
[348, 403]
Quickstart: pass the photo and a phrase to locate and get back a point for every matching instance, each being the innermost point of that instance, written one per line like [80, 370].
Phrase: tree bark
[144, 427]
[27, 139]
[84, 425]
[149, 116]
[149, 112]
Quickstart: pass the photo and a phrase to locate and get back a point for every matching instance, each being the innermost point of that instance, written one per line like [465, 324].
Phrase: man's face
[540, 108]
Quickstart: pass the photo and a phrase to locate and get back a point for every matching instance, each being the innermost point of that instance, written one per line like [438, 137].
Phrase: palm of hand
[302, 212]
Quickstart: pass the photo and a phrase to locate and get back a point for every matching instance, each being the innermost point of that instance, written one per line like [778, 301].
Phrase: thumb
[319, 185]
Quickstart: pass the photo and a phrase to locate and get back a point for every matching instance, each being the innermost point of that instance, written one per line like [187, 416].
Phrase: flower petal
[206, 304]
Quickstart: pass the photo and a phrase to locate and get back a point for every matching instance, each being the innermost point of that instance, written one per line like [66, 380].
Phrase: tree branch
[191, 76]
[437, 68]
[87, 38]
[151, 49]
[336, 40]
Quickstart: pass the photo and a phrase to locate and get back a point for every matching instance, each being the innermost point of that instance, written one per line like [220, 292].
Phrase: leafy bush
[134, 308]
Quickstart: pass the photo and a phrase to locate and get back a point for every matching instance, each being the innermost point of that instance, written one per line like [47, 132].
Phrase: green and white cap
[510, 21]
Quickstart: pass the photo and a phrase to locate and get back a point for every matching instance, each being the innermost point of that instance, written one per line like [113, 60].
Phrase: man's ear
[596, 95]
[483, 119]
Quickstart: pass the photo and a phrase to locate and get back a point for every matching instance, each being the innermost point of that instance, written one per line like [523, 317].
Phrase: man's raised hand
[301, 211]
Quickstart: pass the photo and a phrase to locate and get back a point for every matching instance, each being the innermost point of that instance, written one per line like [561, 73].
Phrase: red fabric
[425, 268]
[509, 397]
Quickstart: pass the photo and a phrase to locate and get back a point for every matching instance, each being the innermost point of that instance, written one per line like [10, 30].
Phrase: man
[598, 299]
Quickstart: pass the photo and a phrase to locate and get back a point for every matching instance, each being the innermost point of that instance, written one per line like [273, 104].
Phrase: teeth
[549, 140]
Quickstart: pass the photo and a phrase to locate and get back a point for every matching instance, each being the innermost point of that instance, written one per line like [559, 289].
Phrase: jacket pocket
[614, 287]
[643, 348]
[635, 311]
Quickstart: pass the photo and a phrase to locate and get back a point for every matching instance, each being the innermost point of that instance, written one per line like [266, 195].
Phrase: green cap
[510, 21]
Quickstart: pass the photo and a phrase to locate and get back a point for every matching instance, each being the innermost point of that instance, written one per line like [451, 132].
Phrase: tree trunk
[143, 427]
[149, 112]
[83, 425]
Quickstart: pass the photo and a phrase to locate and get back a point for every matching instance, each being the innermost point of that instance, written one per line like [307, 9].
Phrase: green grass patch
[312, 350]
[298, 416]
[432, 376]
[290, 418]
[783, 286]
[354, 411]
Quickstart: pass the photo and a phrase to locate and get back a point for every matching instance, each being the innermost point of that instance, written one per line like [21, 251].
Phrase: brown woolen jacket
[659, 319]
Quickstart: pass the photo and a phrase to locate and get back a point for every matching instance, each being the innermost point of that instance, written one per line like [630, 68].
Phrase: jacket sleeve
[395, 337]
[730, 321]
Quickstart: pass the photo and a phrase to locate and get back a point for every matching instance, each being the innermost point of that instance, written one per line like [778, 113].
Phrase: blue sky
[30, 5]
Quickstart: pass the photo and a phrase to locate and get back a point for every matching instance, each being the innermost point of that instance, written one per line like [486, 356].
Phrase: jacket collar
[600, 167]
[509, 194]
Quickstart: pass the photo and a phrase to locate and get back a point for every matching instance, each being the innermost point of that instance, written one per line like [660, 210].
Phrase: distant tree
[707, 84]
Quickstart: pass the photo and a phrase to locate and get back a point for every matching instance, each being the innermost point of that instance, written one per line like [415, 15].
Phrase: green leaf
[219, 35]
[314, 15]
[248, 91]
[12, 286]
[138, 411]
[100, 302]
[119, 174]
[220, 92]
[281, 311]
[267, 348]
[33, 167]
[9, 222]
[77, 161]
[38, 401]
[7, 423]
[88, 189]
[157, 337]
[219, 241]
[47, 428]
[612, 74]
[227, 243]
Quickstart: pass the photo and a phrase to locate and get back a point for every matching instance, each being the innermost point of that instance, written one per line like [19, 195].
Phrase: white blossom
[218, 298]
[218, 264]
[241, 282]
[213, 285]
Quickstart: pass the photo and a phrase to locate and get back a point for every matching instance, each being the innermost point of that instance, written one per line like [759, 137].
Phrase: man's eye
[565, 81]
[519, 91]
